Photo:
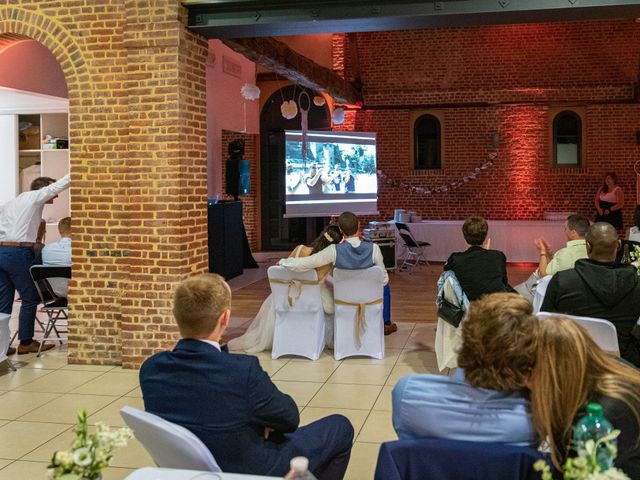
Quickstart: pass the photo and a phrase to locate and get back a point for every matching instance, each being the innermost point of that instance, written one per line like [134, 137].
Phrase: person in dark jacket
[479, 269]
[598, 287]
[228, 401]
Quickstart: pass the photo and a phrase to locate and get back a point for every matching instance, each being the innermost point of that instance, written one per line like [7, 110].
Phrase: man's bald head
[602, 242]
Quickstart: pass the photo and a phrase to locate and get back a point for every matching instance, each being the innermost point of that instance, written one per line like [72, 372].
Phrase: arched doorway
[279, 233]
[34, 132]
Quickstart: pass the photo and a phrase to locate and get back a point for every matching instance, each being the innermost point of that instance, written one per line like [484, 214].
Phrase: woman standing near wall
[609, 202]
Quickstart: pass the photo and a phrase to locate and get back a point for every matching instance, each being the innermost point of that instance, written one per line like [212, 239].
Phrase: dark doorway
[279, 233]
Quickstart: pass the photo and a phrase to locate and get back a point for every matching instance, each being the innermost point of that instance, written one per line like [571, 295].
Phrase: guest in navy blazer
[228, 401]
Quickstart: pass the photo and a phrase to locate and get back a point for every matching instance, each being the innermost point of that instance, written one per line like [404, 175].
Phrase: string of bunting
[442, 188]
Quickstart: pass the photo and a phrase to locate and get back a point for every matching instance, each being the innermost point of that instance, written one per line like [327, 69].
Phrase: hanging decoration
[250, 91]
[304, 123]
[289, 109]
[338, 115]
[442, 188]
[319, 100]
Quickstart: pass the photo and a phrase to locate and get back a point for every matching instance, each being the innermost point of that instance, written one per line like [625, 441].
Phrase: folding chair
[169, 444]
[54, 306]
[414, 249]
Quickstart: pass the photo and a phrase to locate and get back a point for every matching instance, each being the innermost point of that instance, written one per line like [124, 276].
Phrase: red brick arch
[18, 23]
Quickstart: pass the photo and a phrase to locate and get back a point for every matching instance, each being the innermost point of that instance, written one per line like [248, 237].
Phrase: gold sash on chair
[292, 283]
[361, 321]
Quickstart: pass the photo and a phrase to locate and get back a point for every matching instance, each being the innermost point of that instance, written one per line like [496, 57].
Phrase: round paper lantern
[338, 115]
[289, 109]
[250, 92]
[319, 100]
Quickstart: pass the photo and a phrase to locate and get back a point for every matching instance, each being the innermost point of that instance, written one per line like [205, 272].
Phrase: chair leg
[11, 365]
[47, 331]
[59, 314]
[13, 337]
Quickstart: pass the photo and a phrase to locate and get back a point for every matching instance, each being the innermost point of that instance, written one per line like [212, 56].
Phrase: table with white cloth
[153, 473]
[512, 237]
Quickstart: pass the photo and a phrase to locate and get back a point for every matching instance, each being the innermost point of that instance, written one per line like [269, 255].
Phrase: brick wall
[250, 212]
[136, 85]
[509, 79]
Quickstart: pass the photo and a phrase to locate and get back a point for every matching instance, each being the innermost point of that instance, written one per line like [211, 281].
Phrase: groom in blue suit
[228, 401]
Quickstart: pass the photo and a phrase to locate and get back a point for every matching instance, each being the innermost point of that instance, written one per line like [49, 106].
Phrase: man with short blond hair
[228, 401]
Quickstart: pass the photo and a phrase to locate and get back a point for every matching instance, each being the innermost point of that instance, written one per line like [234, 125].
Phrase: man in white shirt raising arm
[352, 254]
[19, 222]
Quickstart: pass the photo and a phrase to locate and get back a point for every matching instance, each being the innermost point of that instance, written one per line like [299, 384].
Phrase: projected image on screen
[334, 172]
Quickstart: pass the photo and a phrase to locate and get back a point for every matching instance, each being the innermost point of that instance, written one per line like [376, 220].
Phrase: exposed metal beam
[255, 18]
[282, 60]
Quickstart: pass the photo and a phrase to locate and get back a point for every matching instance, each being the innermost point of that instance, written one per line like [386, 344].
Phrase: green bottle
[593, 426]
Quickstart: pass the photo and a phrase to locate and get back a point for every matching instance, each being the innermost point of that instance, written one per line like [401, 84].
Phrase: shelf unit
[52, 163]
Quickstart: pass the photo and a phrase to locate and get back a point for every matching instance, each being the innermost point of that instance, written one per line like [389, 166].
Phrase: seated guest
[598, 287]
[59, 254]
[575, 229]
[259, 335]
[352, 254]
[228, 401]
[485, 401]
[570, 371]
[479, 269]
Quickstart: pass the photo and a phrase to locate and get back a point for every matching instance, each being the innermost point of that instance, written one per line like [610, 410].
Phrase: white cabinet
[37, 158]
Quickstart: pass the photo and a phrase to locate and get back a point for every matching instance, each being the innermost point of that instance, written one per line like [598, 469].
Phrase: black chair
[53, 305]
[438, 458]
[414, 249]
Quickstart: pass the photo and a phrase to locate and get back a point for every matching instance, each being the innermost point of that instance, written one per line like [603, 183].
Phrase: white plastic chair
[355, 292]
[448, 338]
[300, 321]
[5, 339]
[540, 292]
[170, 445]
[603, 332]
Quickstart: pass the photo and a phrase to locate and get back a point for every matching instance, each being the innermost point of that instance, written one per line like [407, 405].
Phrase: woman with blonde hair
[571, 370]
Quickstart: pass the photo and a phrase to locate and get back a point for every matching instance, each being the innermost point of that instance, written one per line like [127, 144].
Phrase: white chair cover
[150, 473]
[540, 292]
[5, 339]
[602, 331]
[300, 322]
[170, 445]
[356, 287]
[448, 338]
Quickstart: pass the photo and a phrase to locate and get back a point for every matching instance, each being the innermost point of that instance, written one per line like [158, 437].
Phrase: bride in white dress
[259, 335]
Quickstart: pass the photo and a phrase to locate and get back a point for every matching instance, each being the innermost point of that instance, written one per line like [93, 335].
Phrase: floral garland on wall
[443, 188]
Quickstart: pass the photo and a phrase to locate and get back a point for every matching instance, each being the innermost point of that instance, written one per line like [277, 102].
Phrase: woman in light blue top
[489, 401]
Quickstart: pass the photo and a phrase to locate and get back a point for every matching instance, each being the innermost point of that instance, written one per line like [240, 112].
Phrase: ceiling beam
[255, 18]
[282, 60]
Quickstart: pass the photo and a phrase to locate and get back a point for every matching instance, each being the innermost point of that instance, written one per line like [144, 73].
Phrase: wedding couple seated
[329, 250]
[300, 325]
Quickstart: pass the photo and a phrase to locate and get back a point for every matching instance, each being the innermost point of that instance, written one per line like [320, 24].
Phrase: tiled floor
[39, 401]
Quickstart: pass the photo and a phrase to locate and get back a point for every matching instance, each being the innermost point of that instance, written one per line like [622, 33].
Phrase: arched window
[426, 143]
[567, 139]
